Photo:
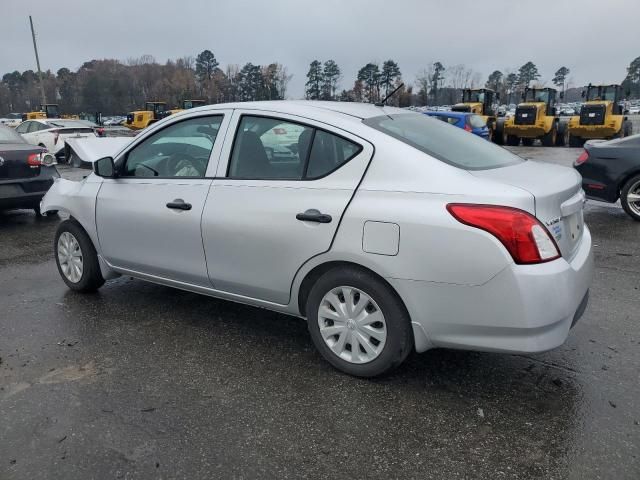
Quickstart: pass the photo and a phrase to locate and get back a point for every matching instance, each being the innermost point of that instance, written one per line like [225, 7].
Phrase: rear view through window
[450, 145]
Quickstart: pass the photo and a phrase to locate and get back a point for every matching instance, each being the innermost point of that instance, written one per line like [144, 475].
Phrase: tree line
[114, 87]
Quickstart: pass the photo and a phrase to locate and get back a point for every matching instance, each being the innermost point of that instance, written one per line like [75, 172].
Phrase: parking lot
[144, 381]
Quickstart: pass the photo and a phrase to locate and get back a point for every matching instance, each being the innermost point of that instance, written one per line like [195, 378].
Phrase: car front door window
[179, 150]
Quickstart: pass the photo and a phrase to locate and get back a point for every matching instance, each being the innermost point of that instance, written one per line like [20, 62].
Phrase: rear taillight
[39, 159]
[526, 239]
[584, 156]
[467, 128]
[100, 132]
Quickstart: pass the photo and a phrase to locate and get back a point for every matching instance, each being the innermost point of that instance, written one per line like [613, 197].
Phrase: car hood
[91, 149]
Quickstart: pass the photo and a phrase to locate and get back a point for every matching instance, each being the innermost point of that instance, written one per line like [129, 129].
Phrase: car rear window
[476, 121]
[450, 145]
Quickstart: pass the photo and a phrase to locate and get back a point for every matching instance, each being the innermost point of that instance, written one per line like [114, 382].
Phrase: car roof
[297, 107]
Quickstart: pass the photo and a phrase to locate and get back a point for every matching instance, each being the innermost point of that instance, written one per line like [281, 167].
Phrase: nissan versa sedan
[386, 230]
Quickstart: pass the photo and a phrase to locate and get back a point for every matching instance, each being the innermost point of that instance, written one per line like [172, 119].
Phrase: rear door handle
[179, 204]
[313, 215]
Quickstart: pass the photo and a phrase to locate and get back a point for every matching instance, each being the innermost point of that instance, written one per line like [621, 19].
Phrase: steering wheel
[175, 158]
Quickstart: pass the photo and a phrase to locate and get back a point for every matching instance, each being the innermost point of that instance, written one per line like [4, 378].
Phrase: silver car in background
[387, 230]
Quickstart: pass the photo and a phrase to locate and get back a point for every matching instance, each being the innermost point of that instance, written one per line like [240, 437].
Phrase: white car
[51, 133]
[385, 229]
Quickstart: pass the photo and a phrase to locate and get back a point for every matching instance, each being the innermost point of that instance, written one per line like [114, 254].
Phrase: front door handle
[179, 204]
[313, 215]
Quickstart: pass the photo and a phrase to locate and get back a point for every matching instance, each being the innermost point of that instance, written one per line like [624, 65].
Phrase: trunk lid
[14, 161]
[558, 198]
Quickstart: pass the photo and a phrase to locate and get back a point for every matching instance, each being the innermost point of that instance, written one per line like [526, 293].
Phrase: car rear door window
[180, 150]
[274, 149]
[33, 127]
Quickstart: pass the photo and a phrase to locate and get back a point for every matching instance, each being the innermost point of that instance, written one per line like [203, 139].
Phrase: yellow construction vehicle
[47, 110]
[153, 112]
[601, 116]
[186, 105]
[480, 101]
[536, 118]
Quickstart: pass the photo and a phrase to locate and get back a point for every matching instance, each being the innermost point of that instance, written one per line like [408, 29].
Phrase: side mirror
[104, 167]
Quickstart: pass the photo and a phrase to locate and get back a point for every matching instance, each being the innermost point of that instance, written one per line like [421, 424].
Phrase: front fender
[78, 200]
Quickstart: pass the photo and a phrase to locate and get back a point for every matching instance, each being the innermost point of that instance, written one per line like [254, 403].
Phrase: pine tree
[314, 81]
[330, 76]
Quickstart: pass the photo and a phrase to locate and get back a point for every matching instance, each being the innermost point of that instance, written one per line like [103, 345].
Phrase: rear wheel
[527, 142]
[498, 132]
[36, 209]
[549, 139]
[513, 140]
[358, 323]
[575, 141]
[76, 258]
[562, 138]
[630, 198]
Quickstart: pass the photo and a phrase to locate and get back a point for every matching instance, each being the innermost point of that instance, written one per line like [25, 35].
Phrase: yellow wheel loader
[601, 116]
[186, 105]
[153, 112]
[536, 118]
[48, 110]
[480, 101]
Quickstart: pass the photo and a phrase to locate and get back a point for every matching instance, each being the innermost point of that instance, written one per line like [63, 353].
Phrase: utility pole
[35, 49]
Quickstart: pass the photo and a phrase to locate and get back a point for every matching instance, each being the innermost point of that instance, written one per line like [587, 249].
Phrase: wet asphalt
[144, 381]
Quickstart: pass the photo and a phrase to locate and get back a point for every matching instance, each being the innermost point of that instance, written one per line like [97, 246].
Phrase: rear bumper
[593, 131]
[525, 131]
[26, 192]
[523, 309]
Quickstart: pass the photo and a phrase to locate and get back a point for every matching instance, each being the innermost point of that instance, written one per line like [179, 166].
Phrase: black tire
[513, 140]
[633, 182]
[498, 132]
[562, 138]
[91, 278]
[575, 141]
[549, 139]
[399, 340]
[36, 209]
[527, 142]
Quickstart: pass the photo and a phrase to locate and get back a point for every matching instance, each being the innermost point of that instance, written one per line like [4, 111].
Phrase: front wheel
[513, 140]
[76, 258]
[549, 139]
[575, 141]
[630, 198]
[358, 323]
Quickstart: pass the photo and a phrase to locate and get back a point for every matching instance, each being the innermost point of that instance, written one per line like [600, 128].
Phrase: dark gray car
[26, 172]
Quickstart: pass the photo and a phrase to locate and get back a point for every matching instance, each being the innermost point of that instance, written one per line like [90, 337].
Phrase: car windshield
[8, 135]
[444, 142]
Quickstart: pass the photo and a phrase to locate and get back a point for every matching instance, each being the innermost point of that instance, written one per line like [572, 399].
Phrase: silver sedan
[386, 230]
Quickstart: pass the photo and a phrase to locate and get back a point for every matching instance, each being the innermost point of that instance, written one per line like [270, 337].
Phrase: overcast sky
[596, 39]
